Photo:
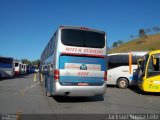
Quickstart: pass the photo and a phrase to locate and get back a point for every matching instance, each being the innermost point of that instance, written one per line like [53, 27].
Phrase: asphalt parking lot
[23, 95]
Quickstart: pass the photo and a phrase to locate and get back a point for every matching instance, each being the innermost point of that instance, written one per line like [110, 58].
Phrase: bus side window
[153, 67]
[117, 61]
[156, 65]
[156, 61]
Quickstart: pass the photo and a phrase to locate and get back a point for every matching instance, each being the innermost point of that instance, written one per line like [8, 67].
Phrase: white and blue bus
[6, 67]
[74, 62]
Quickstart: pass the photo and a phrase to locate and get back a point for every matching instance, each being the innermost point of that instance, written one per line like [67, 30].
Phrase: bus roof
[6, 57]
[82, 28]
[133, 53]
[154, 52]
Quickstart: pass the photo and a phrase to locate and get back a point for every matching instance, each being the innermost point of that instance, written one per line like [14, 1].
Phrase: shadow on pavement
[138, 91]
[14, 77]
[112, 86]
[65, 99]
[7, 78]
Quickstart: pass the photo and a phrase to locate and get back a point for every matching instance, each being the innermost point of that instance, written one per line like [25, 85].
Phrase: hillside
[149, 43]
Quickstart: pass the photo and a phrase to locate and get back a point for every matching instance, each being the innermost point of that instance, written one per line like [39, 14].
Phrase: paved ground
[23, 95]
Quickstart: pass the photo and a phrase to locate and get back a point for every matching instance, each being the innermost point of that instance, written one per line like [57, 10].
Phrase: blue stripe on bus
[2, 65]
[82, 60]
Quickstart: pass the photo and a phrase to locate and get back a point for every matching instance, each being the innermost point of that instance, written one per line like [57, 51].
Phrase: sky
[26, 26]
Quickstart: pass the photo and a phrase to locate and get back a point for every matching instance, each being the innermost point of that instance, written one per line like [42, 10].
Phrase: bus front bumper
[149, 88]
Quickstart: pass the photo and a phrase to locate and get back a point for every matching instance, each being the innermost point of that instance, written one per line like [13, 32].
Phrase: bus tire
[122, 83]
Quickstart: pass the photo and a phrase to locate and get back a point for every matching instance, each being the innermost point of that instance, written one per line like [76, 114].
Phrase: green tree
[156, 29]
[26, 61]
[141, 33]
[152, 48]
[115, 44]
[120, 42]
[142, 36]
[35, 63]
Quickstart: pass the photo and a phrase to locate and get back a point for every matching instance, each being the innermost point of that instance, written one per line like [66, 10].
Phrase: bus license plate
[82, 84]
[157, 82]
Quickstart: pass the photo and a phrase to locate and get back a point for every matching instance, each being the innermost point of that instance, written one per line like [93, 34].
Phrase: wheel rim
[122, 83]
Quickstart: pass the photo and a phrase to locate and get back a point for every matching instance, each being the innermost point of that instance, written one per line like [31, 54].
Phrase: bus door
[153, 74]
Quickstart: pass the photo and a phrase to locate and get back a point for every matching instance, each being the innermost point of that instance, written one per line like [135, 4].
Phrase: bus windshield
[144, 62]
[16, 64]
[81, 38]
[154, 68]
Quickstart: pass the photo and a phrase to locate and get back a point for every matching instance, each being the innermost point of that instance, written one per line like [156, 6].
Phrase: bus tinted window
[154, 68]
[16, 64]
[118, 60]
[6, 60]
[83, 38]
[135, 59]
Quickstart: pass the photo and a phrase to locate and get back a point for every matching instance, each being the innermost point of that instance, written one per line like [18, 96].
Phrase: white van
[122, 68]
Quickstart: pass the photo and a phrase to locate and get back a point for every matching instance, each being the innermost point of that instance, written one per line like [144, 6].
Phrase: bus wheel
[122, 83]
